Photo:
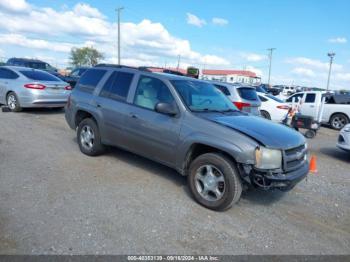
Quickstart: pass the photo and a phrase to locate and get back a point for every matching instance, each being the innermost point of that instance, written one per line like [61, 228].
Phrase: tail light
[68, 87]
[35, 86]
[283, 107]
[240, 105]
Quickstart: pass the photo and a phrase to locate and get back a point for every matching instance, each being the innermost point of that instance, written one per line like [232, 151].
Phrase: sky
[222, 34]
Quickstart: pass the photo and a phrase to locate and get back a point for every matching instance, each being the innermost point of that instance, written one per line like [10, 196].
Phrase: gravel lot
[55, 200]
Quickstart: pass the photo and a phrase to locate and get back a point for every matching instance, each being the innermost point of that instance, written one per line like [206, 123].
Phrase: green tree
[85, 56]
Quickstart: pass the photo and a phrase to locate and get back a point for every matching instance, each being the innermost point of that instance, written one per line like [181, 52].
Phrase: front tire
[13, 103]
[89, 139]
[338, 121]
[214, 181]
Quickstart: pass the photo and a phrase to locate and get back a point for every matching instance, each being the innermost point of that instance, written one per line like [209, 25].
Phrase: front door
[150, 133]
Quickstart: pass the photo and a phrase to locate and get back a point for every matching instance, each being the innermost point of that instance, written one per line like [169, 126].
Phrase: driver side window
[296, 98]
[151, 91]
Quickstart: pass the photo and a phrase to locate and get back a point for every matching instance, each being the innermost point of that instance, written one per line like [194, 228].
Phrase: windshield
[201, 96]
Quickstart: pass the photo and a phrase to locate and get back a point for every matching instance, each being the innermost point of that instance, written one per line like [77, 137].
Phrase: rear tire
[89, 139]
[214, 181]
[13, 103]
[338, 121]
[265, 114]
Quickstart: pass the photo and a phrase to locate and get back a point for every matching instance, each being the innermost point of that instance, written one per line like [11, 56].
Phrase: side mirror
[166, 108]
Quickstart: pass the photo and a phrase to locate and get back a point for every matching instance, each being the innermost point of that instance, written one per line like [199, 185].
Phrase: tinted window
[310, 98]
[36, 65]
[7, 74]
[39, 75]
[90, 79]
[247, 93]
[117, 86]
[151, 91]
[262, 99]
[223, 89]
[295, 97]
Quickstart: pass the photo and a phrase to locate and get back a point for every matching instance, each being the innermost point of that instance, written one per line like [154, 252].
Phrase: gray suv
[188, 125]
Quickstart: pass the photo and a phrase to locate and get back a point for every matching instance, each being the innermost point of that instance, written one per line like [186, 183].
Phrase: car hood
[266, 132]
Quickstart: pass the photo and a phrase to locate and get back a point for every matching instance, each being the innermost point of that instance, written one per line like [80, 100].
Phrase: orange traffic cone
[313, 165]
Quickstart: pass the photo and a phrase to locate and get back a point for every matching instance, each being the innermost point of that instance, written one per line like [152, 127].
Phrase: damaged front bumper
[272, 179]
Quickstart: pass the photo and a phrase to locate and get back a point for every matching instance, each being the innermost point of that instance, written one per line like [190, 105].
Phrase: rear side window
[310, 98]
[90, 79]
[223, 89]
[262, 99]
[39, 75]
[117, 86]
[7, 74]
[248, 93]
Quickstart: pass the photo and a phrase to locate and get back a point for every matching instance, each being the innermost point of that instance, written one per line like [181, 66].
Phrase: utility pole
[178, 61]
[118, 10]
[331, 56]
[270, 58]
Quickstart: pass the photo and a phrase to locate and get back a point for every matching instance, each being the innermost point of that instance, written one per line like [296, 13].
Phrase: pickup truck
[188, 125]
[337, 115]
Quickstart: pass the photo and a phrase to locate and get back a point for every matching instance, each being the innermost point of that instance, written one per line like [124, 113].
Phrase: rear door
[7, 78]
[111, 102]
[150, 133]
[309, 107]
[250, 100]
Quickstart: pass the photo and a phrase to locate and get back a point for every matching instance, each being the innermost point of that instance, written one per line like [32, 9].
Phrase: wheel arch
[339, 113]
[82, 114]
[197, 149]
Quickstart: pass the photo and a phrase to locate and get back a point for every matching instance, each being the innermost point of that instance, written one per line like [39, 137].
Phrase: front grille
[294, 158]
[341, 139]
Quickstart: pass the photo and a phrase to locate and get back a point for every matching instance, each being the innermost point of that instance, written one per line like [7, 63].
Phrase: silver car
[344, 138]
[22, 87]
[244, 98]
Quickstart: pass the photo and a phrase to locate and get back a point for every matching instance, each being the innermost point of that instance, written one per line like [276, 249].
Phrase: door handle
[312, 106]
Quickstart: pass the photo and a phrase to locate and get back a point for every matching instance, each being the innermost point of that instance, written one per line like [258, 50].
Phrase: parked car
[74, 76]
[344, 138]
[186, 124]
[288, 90]
[32, 63]
[266, 88]
[337, 115]
[272, 107]
[22, 87]
[245, 98]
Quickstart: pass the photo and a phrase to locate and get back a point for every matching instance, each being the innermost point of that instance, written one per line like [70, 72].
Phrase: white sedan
[272, 107]
[344, 138]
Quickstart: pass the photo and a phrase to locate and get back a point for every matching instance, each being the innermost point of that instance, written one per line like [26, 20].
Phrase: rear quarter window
[223, 89]
[90, 79]
[248, 93]
[39, 75]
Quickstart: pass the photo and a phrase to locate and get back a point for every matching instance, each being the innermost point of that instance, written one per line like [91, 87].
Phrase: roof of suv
[144, 70]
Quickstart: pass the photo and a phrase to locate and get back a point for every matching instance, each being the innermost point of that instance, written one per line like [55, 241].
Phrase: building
[230, 76]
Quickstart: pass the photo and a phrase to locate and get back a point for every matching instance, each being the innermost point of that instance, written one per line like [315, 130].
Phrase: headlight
[268, 158]
[347, 129]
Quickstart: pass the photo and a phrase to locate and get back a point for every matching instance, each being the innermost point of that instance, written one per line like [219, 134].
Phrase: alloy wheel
[11, 102]
[210, 183]
[87, 137]
[339, 122]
